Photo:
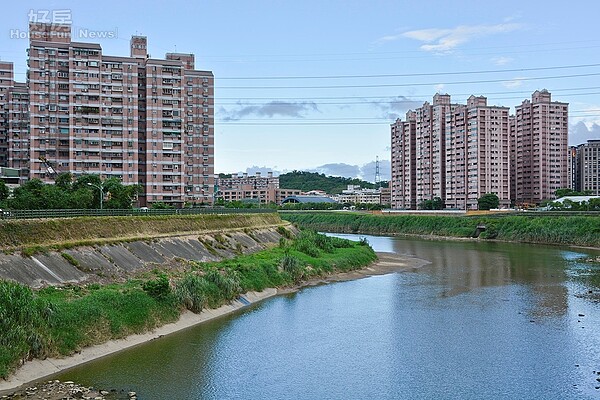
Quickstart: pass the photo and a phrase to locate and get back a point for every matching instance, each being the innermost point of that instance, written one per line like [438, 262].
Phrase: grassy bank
[45, 232]
[60, 321]
[569, 230]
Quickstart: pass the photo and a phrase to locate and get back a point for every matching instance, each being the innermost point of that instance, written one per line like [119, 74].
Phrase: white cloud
[589, 116]
[396, 107]
[270, 109]
[439, 88]
[514, 83]
[502, 60]
[581, 132]
[445, 40]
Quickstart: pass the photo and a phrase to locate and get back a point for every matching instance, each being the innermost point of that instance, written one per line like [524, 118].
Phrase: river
[481, 321]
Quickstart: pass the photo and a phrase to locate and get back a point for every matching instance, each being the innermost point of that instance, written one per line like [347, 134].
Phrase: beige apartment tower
[403, 182]
[540, 136]
[477, 154]
[459, 152]
[142, 120]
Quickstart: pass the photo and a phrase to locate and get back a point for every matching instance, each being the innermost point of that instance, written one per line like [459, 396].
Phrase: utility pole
[377, 173]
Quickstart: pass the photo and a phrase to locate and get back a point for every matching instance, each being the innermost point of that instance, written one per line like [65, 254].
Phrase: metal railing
[24, 214]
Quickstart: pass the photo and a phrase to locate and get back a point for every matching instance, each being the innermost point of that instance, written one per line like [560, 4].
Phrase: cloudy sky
[314, 85]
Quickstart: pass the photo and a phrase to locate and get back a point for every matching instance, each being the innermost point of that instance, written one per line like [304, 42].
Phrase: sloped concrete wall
[125, 259]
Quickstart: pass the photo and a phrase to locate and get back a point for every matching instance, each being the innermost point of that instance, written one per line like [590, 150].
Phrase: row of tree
[307, 181]
[70, 193]
[485, 202]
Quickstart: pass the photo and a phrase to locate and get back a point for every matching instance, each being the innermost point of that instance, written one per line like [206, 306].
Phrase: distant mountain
[306, 181]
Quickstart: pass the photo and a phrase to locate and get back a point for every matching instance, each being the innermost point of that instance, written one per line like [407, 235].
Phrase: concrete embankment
[66, 250]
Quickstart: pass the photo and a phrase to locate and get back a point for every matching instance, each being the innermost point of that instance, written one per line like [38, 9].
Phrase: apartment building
[541, 148]
[588, 167]
[430, 147]
[142, 120]
[403, 163]
[257, 188]
[18, 142]
[257, 181]
[479, 149]
[6, 83]
[572, 168]
[477, 154]
[358, 195]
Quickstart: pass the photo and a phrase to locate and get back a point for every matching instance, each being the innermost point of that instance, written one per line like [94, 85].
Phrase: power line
[411, 74]
[412, 97]
[407, 84]
[363, 103]
[526, 92]
[380, 119]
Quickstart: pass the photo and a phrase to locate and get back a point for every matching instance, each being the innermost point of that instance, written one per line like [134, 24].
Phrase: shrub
[157, 288]
[284, 232]
[227, 282]
[491, 232]
[23, 321]
[292, 266]
[190, 292]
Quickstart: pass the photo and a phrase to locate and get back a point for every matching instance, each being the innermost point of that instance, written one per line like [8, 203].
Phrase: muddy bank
[387, 263]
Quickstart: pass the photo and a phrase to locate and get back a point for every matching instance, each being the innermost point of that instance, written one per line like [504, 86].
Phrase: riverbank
[35, 370]
[387, 263]
[535, 228]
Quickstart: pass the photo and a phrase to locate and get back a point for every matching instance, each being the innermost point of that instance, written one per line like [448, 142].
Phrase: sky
[314, 85]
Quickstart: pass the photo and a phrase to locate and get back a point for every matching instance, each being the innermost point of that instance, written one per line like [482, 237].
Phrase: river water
[481, 321]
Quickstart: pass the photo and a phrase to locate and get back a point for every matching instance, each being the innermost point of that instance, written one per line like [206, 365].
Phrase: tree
[64, 181]
[434, 204]
[119, 195]
[28, 196]
[437, 203]
[570, 192]
[594, 204]
[82, 184]
[159, 205]
[488, 201]
[4, 191]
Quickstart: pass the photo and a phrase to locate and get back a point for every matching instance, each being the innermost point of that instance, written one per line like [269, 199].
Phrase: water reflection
[463, 266]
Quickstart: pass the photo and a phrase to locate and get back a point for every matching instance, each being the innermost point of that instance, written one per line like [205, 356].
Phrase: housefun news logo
[63, 21]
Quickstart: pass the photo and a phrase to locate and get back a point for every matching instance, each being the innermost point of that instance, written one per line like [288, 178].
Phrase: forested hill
[306, 181]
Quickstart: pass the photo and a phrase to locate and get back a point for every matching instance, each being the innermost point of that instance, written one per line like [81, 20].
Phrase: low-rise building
[244, 187]
[356, 195]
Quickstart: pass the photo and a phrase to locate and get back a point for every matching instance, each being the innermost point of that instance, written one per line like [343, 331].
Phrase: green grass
[60, 321]
[72, 260]
[567, 230]
[69, 232]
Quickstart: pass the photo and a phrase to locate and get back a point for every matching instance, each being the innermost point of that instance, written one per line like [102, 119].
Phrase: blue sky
[338, 72]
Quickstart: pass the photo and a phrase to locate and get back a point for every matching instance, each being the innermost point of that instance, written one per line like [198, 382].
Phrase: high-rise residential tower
[588, 167]
[540, 138]
[403, 181]
[143, 120]
[477, 154]
[459, 152]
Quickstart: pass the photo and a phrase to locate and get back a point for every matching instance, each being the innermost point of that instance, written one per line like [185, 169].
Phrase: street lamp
[99, 187]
